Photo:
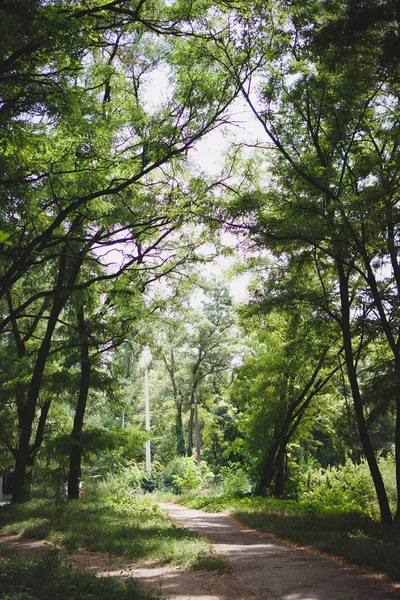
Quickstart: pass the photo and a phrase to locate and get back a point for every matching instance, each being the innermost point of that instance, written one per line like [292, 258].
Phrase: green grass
[45, 577]
[133, 528]
[213, 562]
[353, 536]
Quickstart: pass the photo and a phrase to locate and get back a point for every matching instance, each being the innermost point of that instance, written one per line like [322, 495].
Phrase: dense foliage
[115, 239]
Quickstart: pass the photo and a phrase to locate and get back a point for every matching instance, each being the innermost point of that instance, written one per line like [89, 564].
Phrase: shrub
[235, 481]
[183, 475]
[349, 485]
[387, 465]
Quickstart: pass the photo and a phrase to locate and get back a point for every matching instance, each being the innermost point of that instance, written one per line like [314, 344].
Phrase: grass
[133, 528]
[356, 537]
[45, 577]
[213, 562]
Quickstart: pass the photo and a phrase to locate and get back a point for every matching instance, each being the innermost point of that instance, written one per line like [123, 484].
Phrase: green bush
[235, 481]
[183, 475]
[349, 485]
[387, 465]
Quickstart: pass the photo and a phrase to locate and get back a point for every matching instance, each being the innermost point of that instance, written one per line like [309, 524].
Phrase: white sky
[208, 157]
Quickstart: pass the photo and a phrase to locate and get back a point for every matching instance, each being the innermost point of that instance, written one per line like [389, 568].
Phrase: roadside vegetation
[126, 527]
[45, 577]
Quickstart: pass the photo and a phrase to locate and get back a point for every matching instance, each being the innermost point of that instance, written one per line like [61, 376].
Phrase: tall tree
[91, 164]
[281, 385]
[333, 127]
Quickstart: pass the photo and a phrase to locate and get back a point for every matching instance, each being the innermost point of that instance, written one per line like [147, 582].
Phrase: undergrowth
[45, 577]
[132, 527]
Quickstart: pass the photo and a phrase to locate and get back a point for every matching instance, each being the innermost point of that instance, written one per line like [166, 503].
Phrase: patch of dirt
[15, 542]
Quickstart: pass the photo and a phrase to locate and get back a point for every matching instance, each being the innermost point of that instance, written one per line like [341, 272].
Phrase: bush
[387, 466]
[183, 475]
[349, 486]
[235, 481]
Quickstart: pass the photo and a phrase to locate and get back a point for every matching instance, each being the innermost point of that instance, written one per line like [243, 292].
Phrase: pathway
[267, 570]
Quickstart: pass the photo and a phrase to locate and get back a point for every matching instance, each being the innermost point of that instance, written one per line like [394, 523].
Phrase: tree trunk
[267, 469]
[28, 410]
[196, 420]
[75, 458]
[385, 513]
[280, 477]
[397, 442]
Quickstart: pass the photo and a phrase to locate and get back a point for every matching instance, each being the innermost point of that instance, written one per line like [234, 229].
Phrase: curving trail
[267, 570]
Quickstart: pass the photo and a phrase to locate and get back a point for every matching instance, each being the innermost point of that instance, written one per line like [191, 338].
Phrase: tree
[282, 382]
[333, 129]
[193, 341]
[91, 166]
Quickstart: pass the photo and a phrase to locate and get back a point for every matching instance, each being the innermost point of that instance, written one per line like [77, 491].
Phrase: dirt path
[262, 568]
[267, 570]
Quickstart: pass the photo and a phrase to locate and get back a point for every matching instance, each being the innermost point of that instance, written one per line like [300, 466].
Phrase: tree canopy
[107, 222]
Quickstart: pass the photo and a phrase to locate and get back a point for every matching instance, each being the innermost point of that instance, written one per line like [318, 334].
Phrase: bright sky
[208, 156]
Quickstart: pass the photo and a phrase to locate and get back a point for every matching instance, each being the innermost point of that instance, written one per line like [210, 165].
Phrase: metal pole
[196, 421]
[147, 403]
[146, 359]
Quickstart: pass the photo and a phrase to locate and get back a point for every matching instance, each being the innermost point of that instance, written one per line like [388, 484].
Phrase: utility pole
[146, 359]
[197, 428]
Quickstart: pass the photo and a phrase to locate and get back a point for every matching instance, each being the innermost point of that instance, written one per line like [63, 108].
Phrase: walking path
[267, 570]
[262, 568]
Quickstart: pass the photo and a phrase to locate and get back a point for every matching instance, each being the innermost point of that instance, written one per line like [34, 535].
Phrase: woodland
[118, 242]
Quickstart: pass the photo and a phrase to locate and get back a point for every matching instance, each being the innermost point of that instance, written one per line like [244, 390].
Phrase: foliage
[183, 475]
[235, 481]
[348, 486]
[123, 524]
[280, 387]
[326, 211]
[46, 576]
[91, 164]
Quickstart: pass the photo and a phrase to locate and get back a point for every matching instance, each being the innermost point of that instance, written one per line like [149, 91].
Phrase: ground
[263, 569]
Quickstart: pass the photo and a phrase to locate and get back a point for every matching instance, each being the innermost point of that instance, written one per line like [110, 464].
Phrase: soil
[263, 569]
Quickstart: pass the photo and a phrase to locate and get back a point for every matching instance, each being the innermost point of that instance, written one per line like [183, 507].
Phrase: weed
[213, 562]
[132, 527]
[45, 577]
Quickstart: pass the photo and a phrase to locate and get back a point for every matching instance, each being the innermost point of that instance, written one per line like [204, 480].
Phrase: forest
[199, 266]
